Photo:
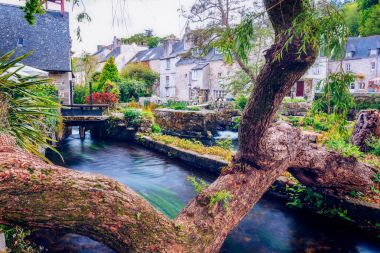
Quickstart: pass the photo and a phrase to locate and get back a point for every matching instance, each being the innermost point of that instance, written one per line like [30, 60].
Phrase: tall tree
[110, 212]
[109, 73]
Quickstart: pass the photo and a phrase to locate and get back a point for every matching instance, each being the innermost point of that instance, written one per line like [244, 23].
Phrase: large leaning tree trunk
[35, 194]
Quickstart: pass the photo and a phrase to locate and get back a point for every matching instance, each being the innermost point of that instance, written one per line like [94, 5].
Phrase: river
[269, 227]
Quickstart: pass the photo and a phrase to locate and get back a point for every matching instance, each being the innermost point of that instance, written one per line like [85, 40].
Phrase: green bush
[225, 143]
[180, 105]
[143, 73]
[109, 72]
[80, 93]
[343, 147]
[374, 144]
[132, 117]
[156, 128]
[241, 102]
[132, 89]
[236, 122]
[293, 100]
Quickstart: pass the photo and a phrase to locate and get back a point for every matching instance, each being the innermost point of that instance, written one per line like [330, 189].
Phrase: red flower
[102, 98]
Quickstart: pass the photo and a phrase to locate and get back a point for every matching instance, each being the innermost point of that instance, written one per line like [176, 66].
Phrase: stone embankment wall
[295, 109]
[194, 124]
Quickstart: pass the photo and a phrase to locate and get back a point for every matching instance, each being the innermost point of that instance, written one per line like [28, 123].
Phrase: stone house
[49, 40]
[362, 58]
[121, 52]
[310, 82]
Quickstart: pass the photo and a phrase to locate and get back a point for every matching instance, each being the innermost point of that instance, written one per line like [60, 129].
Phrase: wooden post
[71, 92]
[82, 132]
[91, 95]
[3, 246]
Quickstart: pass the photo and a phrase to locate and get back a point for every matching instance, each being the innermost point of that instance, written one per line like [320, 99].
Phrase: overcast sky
[123, 18]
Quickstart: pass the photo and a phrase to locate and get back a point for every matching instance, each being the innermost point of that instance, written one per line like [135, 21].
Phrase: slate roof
[49, 38]
[148, 55]
[362, 45]
[211, 56]
[200, 66]
[114, 53]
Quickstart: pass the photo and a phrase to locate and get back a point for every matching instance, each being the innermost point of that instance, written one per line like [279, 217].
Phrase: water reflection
[269, 227]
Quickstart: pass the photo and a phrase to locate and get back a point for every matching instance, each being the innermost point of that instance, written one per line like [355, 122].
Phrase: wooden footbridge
[84, 116]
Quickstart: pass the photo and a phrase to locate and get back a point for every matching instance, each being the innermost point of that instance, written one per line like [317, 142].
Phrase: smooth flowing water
[269, 227]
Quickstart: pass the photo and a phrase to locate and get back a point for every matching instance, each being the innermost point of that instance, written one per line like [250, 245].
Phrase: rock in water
[367, 126]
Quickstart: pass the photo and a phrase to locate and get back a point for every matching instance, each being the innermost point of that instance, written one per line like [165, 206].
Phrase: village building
[48, 40]
[122, 53]
[362, 59]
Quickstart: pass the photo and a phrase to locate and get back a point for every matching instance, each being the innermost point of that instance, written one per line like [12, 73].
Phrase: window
[167, 63]
[373, 66]
[361, 85]
[194, 75]
[219, 75]
[316, 70]
[219, 94]
[167, 81]
[348, 67]
[20, 42]
[352, 86]
[373, 52]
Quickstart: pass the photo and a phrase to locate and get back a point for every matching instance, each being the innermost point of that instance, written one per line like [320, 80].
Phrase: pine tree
[109, 73]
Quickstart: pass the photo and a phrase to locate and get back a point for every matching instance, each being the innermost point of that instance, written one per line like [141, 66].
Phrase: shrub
[102, 98]
[374, 144]
[236, 122]
[143, 73]
[180, 105]
[241, 102]
[343, 147]
[132, 117]
[80, 93]
[132, 89]
[109, 72]
[111, 87]
[225, 143]
[156, 128]
[293, 100]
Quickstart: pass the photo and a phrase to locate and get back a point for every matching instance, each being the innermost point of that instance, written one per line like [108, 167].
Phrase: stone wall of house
[360, 67]
[194, 124]
[62, 81]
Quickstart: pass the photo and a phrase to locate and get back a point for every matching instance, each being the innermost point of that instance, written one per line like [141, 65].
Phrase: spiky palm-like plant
[24, 112]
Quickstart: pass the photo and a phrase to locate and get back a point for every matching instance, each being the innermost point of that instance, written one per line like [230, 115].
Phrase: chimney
[187, 38]
[116, 42]
[168, 45]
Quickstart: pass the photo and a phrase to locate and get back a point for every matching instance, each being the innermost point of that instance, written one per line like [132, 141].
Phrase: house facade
[49, 40]
[120, 52]
[362, 59]
[310, 82]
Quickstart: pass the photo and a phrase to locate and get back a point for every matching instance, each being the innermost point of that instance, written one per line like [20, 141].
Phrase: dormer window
[348, 67]
[20, 42]
[349, 54]
[373, 52]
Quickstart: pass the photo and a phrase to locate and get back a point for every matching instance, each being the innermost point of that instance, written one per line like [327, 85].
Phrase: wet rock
[366, 127]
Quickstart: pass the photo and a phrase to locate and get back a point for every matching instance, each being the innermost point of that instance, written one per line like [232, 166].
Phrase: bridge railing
[84, 110]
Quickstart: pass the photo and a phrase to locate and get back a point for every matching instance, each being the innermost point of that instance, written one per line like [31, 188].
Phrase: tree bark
[35, 194]
[366, 127]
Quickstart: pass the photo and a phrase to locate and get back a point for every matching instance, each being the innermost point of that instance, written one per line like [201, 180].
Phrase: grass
[195, 146]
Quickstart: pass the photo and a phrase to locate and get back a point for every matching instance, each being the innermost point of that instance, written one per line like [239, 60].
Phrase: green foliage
[300, 195]
[111, 87]
[16, 240]
[322, 121]
[141, 72]
[156, 128]
[236, 122]
[31, 8]
[146, 39]
[376, 179]
[225, 143]
[344, 148]
[241, 102]
[198, 184]
[132, 117]
[237, 84]
[180, 105]
[80, 93]
[336, 97]
[374, 144]
[223, 196]
[370, 21]
[351, 17]
[109, 73]
[293, 100]
[131, 90]
[26, 108]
